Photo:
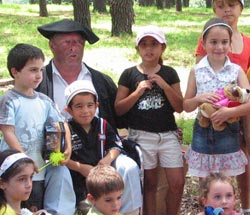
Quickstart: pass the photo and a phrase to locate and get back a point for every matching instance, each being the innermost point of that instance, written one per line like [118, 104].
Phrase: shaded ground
[190, 204]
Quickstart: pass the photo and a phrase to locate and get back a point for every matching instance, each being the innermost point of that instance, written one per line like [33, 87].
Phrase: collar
[204, 63]
[83, 73]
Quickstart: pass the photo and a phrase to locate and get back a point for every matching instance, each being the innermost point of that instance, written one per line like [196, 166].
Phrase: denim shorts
[163, 147]
[209, 141]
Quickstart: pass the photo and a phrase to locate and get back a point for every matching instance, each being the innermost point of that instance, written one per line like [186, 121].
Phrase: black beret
[67, 26]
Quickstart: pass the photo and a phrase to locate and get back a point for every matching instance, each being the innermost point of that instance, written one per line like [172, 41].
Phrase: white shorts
[161, 147]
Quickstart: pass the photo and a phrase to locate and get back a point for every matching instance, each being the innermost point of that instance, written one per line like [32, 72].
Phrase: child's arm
[110, 157]
[68, 148]
[173, 92]
[125, 101]
[10, 137]
[83, 169]
[193, 100]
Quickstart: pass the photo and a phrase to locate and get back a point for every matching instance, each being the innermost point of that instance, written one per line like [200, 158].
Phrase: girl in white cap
[16, 172]
[230, 11]
[149, 94]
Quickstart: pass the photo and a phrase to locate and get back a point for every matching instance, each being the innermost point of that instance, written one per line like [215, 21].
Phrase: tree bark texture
[178, 5]
[161, 4]
[186, 3]
[208, 3]
[122, 15]
[56, 1]
[43, 12]
[81, 12]
[146, 2]
[99, 6]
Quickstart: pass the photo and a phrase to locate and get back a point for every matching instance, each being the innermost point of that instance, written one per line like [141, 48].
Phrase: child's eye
[213, 42]
[217, 197]
[78, 106]
[90, 105]
[225, 42]
[229, 196]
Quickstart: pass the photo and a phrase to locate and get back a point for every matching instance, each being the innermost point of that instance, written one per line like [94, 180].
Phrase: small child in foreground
[105, 187]
[217, 191]
[16, 172]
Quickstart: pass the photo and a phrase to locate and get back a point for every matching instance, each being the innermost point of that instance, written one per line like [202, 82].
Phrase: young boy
[105, 187]
[24, 114]
[91, 146]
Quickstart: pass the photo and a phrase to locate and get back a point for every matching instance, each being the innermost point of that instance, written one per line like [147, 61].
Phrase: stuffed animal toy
[213, 211]
[231, 96]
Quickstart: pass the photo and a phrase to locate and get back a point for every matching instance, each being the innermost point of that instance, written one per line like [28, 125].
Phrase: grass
[182, 30]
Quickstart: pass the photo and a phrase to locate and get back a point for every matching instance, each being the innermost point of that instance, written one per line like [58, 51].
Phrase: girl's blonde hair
[206, 184]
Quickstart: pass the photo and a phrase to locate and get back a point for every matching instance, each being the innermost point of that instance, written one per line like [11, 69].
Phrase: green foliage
[182, 30]
[187, 129]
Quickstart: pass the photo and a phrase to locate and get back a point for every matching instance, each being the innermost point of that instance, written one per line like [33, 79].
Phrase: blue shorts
[209, 141]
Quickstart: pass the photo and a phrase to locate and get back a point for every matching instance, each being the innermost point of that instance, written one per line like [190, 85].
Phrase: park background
[112, 54]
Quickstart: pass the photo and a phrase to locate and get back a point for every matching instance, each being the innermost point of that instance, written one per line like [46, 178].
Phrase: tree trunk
[178, 5]
[186, 3]
[159, 4]
[168, 3]
[122, 15]
[43, 8]
[146, 2]
[99, 6]
[81, 12]
[56, 1]
[208, 3]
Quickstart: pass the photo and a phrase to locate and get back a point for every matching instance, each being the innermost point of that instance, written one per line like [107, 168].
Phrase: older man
[67, 41]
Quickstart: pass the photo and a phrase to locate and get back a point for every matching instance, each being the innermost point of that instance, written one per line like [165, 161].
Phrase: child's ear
[2, 187]
[13, 71]
[164, 46]
[91, 199]
[97, 104]
[203, 201]
[68, 109]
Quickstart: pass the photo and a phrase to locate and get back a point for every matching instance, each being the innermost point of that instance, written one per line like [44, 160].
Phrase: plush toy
[213, 211]
[231, 96]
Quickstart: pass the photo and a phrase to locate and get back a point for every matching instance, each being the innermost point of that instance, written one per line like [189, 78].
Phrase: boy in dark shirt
[92, 146]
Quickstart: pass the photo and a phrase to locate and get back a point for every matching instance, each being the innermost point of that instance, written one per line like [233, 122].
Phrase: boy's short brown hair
[103, 179]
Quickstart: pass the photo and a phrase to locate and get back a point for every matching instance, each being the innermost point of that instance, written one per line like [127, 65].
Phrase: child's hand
[154, 78]
[67, 154]
[142, 86]
[221, 115]
[208, 97]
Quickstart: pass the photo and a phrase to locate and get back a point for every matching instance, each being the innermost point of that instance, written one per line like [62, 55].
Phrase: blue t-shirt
[28, 115]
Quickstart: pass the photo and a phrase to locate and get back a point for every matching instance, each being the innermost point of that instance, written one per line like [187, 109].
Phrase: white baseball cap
[79, 86]
[152, 31]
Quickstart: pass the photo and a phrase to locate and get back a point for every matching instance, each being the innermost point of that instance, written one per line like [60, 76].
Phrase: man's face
[67, 48]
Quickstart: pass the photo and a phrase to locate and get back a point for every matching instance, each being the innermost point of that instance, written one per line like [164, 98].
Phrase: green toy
[54, 159]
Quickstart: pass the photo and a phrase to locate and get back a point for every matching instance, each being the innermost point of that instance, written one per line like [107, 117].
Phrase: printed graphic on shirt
[152, 99]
